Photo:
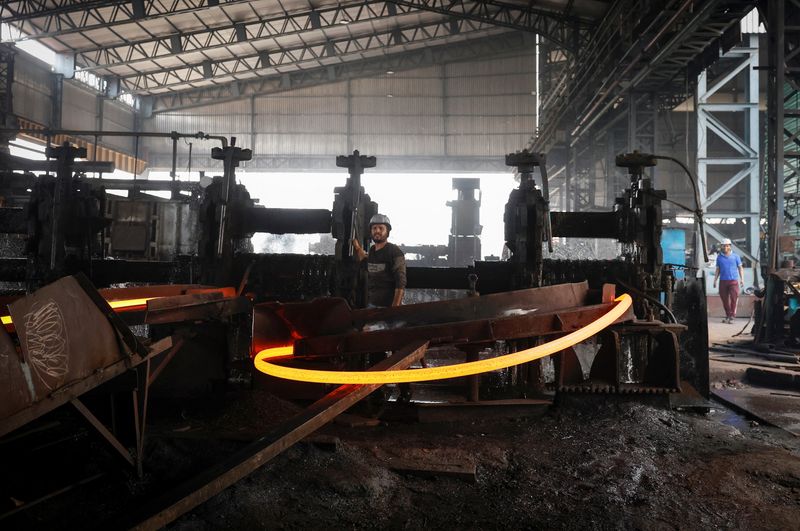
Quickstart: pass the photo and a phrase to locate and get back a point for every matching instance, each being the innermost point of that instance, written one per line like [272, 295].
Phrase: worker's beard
[379, 238]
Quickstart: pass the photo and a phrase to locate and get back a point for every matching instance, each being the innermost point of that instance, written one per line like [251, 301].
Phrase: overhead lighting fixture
[344, 21]
[390, 72]
[390, 95]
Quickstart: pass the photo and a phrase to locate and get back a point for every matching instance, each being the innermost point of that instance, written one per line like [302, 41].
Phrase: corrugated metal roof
[312, 124]
[399, 106]
[496, 84]
[503, 65]
[480, 115]
[82, 111]
[422, 124]
[396, 86]
[497, 105]
[304, 144]
[31, 91]
[159, 47]
[399, 144]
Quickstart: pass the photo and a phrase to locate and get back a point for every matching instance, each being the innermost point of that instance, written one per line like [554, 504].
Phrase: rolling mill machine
[200, 318]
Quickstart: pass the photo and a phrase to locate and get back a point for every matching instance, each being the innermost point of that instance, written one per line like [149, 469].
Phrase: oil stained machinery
[654, 354]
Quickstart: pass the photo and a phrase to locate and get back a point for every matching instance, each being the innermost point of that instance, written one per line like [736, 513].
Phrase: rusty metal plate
[510, 303]
[780, 408]
[63, 335]
[14, 391]
[328, 316]
[195, 308]
[486, 330]
[161, 290]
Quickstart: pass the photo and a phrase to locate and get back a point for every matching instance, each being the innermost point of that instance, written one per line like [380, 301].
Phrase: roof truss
[113, 39]
[495, 45]
[306, 54]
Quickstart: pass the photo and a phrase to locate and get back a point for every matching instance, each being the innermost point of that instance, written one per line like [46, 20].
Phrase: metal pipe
[698, 210]
[148, 134]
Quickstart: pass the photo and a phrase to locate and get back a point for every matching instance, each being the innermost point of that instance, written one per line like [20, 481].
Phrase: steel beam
[64, 17]
[745, 140]
[410, 164]
[103, 431]
[553, 26]
[316, 54]
[261, 30]
[783, 102]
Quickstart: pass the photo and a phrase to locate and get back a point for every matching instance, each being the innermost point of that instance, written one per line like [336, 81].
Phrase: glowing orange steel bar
[130, 303]
[623, 302]
[120, 305]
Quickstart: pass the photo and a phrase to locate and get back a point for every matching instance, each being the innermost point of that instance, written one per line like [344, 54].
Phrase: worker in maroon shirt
[731, 275]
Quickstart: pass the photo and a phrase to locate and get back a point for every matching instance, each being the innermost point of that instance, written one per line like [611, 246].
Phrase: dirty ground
[591, 463]
[597, 465]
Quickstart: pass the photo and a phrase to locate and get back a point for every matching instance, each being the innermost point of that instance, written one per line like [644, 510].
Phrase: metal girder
[42, 19]
[263, 28]
[498, 44]
[319, 53]
[61, 17]
[407, 164]
[742, 64]
[551, 25]
[615, 63]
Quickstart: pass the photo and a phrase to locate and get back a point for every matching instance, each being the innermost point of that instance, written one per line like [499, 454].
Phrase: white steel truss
[743, 140]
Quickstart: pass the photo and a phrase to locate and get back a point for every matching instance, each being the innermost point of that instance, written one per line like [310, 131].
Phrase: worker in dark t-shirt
[386, 265]
[386, 278]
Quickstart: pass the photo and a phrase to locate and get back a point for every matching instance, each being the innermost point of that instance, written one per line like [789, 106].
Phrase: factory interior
[399, 264]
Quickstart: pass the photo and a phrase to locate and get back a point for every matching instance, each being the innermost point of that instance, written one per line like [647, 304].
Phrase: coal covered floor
[591, 464]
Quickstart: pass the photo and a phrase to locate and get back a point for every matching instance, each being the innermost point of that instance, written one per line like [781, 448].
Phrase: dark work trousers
[729, 293]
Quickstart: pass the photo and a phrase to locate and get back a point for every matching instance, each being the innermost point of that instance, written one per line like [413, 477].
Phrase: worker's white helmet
[726, 241]
[380, 219]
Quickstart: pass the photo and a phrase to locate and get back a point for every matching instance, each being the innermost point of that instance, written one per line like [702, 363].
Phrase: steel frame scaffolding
[742, 139]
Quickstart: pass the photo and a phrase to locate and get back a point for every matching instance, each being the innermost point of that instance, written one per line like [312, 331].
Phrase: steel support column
[7, 117]
[783, 131]
[715, 116]
[775, 121]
